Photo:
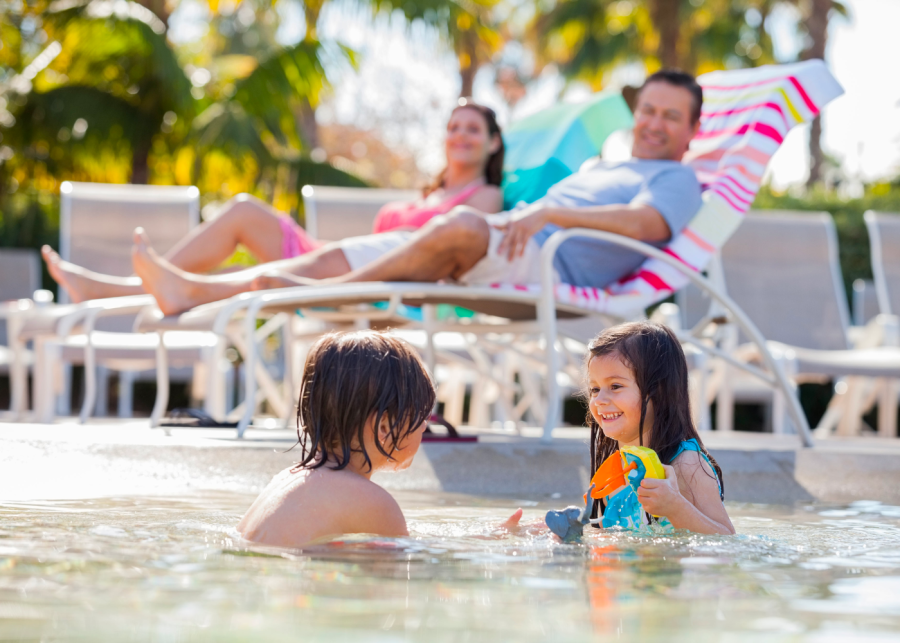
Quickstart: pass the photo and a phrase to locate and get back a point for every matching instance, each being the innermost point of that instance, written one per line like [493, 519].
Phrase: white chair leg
[126, 394]
[162, 384]
[46, 362]
[781, 422]
[725, 396]
[63, 400]
[216, 369]
[887, 409]
[101, 403]
[18, 369]
[851, 419]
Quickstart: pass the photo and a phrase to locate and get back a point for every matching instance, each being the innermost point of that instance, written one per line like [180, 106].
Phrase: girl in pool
[638, 396]
[474, 152]
[364, 402]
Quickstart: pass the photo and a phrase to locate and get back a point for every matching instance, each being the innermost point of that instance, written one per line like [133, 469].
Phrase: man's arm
[638, 221]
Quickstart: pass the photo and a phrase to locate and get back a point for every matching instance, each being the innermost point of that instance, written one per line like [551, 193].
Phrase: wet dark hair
[348, 378]
[678, 78]
[654, 355]
[493, 168]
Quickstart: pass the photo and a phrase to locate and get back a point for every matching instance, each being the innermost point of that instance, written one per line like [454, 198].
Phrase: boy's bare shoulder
[370, 508]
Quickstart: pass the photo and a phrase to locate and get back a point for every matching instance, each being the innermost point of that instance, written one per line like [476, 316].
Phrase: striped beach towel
[746, 115]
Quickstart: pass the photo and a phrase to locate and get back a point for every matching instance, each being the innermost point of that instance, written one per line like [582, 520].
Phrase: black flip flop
[452, 434]
[194, 418]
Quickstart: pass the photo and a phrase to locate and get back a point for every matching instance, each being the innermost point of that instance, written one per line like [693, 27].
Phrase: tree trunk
[666, 19]
[309, 129]
[140, 168]
[468, 63]
[159, 8]
[817, 28]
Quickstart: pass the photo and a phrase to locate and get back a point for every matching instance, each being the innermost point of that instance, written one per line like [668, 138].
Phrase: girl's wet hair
[493, 167]
[656, 359]
[350, 377]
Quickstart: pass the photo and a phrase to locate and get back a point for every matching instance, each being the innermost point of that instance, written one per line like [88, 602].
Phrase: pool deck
[110, 458]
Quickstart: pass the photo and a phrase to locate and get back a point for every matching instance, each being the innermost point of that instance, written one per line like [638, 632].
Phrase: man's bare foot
[82, 284]
[174, 293]
[278, 279]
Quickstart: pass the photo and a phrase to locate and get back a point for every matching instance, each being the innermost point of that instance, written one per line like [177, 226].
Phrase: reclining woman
[474, 151]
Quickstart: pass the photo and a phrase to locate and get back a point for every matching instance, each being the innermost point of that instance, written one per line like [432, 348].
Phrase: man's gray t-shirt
[670, 187]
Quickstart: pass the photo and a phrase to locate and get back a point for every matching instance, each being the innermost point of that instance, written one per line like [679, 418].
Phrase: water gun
[628, 465]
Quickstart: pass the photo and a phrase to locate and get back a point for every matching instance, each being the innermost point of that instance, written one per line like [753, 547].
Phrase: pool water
[173, 569]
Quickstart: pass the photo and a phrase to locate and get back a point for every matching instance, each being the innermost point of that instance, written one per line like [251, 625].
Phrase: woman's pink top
[414, 215]
[296, 242]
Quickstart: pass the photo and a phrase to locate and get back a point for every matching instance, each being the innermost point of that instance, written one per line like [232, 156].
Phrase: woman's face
[615, 400]
[468, 141]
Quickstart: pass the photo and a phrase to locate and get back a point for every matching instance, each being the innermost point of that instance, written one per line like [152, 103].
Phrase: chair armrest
[882, 330]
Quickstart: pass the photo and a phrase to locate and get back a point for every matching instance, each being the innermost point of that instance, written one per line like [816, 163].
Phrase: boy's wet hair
[656, 359]
[350, 377]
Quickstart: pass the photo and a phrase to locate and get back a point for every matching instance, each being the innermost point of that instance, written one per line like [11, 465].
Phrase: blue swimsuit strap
[693, 445]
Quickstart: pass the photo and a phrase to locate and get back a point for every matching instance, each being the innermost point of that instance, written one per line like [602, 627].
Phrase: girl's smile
[616, 400]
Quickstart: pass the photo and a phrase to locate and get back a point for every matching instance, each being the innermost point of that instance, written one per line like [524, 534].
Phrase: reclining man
[649, 197]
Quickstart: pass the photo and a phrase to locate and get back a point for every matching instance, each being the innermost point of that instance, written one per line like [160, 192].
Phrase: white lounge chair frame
[545, 304]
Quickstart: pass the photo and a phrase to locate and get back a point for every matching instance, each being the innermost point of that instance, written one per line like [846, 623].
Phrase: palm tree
[818, 14]
[587, 38]
[115, 82]
[469, 27]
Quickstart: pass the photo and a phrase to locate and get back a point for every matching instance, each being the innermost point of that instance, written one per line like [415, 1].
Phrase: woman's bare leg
[245, 220]
[83, 284]
[177, 290]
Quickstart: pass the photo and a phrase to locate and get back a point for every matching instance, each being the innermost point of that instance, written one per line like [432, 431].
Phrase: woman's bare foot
[174, 293]
[278, 279]
[83, 284]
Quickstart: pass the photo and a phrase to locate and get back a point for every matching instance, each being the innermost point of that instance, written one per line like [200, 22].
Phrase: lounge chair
[20, 277]
[333, 214]
[884, 239]
[783, 270]
[747, 115]
[96, 227]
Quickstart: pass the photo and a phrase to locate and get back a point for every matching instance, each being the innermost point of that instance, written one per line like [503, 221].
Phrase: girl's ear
[496, 142]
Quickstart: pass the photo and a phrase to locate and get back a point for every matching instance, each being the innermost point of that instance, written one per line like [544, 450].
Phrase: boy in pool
[365, 399]
[638, 396]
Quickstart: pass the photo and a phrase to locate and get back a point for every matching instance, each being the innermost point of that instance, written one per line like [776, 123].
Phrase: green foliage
[848, 218]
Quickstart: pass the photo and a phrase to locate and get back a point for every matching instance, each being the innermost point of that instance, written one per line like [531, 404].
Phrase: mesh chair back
[97, 221]
[864, 302]
[884, 237]
[782, 269]
[20, 273]
[20, 276]
[334, 213]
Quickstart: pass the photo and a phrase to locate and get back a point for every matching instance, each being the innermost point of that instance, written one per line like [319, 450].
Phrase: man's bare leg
[447, 247]
[83, 284]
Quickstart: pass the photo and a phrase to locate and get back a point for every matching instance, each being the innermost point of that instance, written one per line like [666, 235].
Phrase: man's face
[662, 122]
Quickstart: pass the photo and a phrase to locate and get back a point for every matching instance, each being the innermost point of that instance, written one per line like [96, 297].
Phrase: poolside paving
[127, 457]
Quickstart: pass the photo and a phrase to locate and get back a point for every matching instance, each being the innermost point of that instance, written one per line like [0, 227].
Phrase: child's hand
[660, 497]
[512, 522]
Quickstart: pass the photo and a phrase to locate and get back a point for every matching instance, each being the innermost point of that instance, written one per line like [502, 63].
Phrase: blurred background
[264, 97]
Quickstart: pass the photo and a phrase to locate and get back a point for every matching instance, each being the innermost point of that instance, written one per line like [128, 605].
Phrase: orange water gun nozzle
[610, 476]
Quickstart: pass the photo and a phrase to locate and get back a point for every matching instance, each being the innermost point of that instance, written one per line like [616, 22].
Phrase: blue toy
[569, 523]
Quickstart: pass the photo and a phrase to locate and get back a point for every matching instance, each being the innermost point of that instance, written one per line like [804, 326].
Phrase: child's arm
[688, 497]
